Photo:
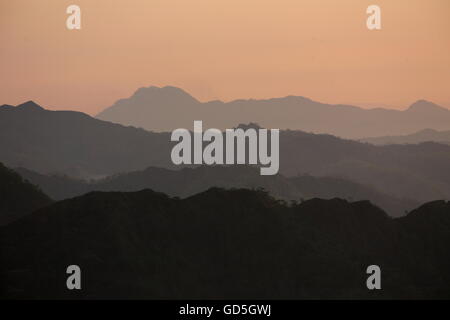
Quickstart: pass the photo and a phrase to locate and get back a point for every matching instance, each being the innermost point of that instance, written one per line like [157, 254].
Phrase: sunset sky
[225, 49]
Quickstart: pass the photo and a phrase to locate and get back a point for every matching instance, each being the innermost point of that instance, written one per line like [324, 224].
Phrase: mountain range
[74, 143]
[169, 108]
[414, 138]
[78, 145]
[189, 181]
[106, 197]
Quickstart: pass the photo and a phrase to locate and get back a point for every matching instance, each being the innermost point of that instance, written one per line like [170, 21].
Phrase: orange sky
[225, 49]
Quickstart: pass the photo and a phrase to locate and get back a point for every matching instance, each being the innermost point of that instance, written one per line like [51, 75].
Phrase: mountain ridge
[78, 145]
[188, 181]
[418, 104]
[425, 135]
[18, 197]
[153, 109]
[239, 244]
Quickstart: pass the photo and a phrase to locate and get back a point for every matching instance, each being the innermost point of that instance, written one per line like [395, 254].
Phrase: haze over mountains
[169, 108]
[189, 181]
[418, 137]
[133, 242]
[76, 144]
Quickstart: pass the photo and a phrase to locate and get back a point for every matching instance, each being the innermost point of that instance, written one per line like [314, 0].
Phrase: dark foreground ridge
[222, 244]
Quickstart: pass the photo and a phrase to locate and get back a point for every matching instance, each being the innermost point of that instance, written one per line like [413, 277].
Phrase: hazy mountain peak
[298, 98]
[168, 92]
[165, 108]
[424, 105]
[145, 103]
[30, 105]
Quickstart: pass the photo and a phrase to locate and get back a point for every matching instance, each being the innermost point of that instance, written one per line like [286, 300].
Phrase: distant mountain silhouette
[17, 196]
[418, 137]
[189, 181]
[56, 186]
[168, 108]
[420, 172]
[236, 244]
[75, 143]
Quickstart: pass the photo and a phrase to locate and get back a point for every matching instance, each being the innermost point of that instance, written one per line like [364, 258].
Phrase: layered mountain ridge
[169, 108]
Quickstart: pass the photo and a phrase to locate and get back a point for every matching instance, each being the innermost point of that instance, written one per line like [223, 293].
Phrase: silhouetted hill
[420, 172]
[57, 186]
[332, 187]
[418, 137]
[17, 196]
[423, 226]
[220, 244]
[169, 108]
[189, 181]
[75, 144]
